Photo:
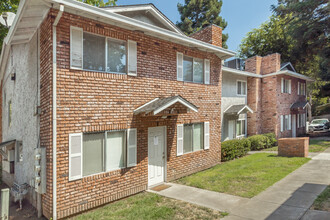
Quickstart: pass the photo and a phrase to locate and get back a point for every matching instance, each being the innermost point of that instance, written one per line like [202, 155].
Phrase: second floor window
[301, 88]
[241, 88]
[286, 86]
[192, 69]
[98, 53]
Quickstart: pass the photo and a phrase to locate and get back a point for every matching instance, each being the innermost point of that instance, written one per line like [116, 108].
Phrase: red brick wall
[95, 101]
[265, 97]
[46, 106]
[211, 34]
[285, 100]
[293, 147]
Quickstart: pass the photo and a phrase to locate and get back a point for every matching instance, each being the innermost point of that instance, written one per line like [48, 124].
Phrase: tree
[99, 3]
[271, 37]
[195, 14]
[6, 6]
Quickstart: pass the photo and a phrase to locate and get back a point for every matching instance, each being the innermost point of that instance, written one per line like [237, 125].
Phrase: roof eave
[239, 72]
[147, 28]
[290, 73]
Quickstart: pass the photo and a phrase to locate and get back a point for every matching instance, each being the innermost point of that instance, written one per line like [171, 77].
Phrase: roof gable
[288, 66]
[147, 13]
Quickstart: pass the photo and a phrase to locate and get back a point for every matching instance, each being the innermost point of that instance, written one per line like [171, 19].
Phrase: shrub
[258, 142]
[271, 140]
[234, 149]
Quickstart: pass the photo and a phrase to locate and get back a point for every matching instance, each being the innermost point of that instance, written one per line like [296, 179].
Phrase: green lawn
[322, 202]
[314, 146]
[246, 176]
[150, 206]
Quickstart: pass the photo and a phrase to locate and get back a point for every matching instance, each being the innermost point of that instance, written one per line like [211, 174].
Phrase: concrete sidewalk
[289, 198]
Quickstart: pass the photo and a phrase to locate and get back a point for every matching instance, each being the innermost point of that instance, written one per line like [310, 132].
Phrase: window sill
[97, 71]
[192, 152]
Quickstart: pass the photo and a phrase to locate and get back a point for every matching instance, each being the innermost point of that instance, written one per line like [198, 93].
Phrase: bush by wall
[234, 149]
[240, 147]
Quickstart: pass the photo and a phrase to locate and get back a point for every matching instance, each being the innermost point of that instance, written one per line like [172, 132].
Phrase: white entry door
[294, 127]
[231, 129]
[156, 155]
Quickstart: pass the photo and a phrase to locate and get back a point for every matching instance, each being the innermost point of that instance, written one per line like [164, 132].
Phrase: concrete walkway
[289, 198]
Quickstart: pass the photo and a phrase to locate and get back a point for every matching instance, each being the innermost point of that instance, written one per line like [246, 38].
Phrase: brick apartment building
[124, 98]
[265, 97]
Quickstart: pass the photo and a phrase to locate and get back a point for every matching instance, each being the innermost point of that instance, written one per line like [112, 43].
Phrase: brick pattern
[265, 97]
[97, 101]
[46, 106]
[293, 147]
[211, 34]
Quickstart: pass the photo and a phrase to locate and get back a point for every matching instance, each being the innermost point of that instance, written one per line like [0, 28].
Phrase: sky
[241, 15]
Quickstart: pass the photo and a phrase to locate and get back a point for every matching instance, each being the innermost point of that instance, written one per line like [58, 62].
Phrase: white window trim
[183, 153]
[244, 81]
[245, 132]
[283, 86]
[193, 68]
[105, 169]
[106, 52]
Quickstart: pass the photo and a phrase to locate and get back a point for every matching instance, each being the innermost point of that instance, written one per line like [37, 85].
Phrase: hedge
[234, 149]
[240, 147]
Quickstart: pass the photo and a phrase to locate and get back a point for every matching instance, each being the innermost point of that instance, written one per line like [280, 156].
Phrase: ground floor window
[240, 127]
[285, 122]
[93, 153]
[301, 120]
[193, 137]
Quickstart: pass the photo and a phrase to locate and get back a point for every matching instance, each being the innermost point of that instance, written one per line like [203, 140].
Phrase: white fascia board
[160, 17]
[7, 40]
[227, 109]
[245, 107]
[148, 28]
[172, 103]
[146, 104]
[290, 73]
[239, 72]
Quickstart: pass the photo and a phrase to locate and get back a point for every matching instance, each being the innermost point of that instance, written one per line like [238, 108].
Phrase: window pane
[198, 70]
[198, 137]
[243, 127]
[238, 128]
[243, 88]
[116, 142]
[239, 88]
[116, 57]
[187, 139]
[187, 69]
[93, 145]
[94, 52]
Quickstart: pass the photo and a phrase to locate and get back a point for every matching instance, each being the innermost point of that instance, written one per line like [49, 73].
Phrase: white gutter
[152, 30]
[58, 17]
[240, 72]
[290, 73]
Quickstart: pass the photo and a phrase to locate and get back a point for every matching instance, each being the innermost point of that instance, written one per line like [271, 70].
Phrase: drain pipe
[58, 17]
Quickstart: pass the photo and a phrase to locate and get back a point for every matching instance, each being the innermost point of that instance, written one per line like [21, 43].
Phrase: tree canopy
[196, 14]
[299, 31]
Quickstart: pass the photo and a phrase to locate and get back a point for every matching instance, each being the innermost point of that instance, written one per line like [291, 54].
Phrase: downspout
[58, 17]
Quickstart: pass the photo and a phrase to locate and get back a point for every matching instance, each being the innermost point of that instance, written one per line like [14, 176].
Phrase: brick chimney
[263, 65]
[261, 93]
[211, 34]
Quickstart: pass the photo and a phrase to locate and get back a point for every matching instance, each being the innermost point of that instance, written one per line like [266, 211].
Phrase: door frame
[165, 152]
[294, 125]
